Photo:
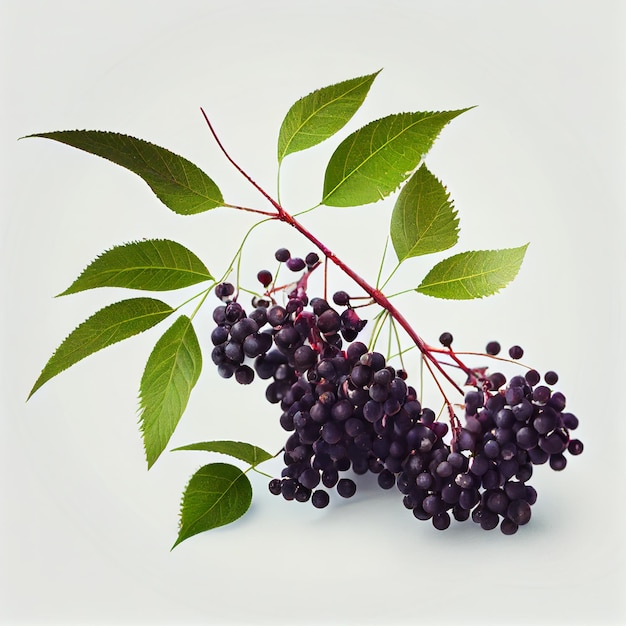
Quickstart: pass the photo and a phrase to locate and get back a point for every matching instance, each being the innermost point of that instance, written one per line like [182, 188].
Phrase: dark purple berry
[312, 259]
[264, 277]
[493, 348]
[445, 339]
[320, 499]
[341, 298]
[244, 375]
[295, 264]
[551, 378]
[224, 290]
[282, 255]
[346, 488]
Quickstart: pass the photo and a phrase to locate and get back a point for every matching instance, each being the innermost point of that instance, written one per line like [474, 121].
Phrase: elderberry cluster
[349, 412]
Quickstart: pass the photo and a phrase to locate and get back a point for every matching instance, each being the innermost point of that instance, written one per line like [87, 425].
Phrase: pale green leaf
[109, 325]
[373, 161]
[153, 265]
[178, 183]
[170, 374]
[473, 274]
[216, 495]
[319, 115]
[238, 449]
[423, 218]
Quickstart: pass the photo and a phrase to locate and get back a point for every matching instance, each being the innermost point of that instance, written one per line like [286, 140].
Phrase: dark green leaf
[216, 495]
[321, 114]
[171, 372]
[373, 161]
[178, 183]
[423, 219]
[108, 326]
[238, 449]
[153, 265]
[473, 274]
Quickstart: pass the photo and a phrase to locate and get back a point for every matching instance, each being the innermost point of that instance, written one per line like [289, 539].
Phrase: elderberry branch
[273, 202]
[248, 209]
[376, 294]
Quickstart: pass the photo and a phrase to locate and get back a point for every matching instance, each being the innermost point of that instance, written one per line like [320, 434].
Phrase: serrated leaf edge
[197, 447]
[39, 383]
[241, 474]
[364, 78]
[205, 277]
[372, 154]
[472, 297]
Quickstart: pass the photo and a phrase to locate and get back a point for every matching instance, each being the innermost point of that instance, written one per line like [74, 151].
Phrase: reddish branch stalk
[376, 295]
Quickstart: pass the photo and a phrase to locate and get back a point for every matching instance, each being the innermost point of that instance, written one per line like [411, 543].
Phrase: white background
[86, 530]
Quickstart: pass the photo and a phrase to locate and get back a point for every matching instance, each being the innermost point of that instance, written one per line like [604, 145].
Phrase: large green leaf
[216, 495]
[321, 114]
[473, 274]
[238, 449]
[153, 265]
[373, 161]
[109, 325]
[170, 374]
[178, 183]
[423, 219]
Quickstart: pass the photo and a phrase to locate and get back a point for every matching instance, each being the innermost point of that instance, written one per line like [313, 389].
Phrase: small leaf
[238, 449]
[216, 495]
[423, 219]
[473, 274]
[171, 372]
[178, 183]
[109, 325]
[373, 161]
[153, 265]
[321, 114]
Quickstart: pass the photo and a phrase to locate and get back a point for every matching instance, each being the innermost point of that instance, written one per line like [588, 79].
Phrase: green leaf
[373, 161]
[216, 495]
[238, 449]
[154, 265]
[473, 274]
[423, 219]
[321, 114]
[109, 325]
[178, 183]
[171, 372]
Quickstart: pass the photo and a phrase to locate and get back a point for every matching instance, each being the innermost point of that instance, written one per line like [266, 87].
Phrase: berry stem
[249, 210]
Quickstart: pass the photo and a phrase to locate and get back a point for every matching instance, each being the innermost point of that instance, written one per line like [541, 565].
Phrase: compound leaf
[321, 114]
[153, 265]
[374, 160]
[423, 219]
[473, 274]
[109, 325]
[178, 183]
[216, 495]
[170, 374]
[238, 449]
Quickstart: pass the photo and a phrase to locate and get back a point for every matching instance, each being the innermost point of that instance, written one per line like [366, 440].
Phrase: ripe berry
[445, 339]
[264, 277]
[320, 499]
[493, 348]
[551, 378]
[295, 264]
[311, 259]
[224, 290]
[341, 298]
[282, 255]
